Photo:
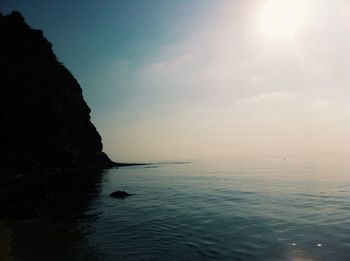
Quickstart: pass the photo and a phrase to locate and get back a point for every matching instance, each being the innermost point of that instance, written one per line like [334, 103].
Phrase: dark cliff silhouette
[45, 122]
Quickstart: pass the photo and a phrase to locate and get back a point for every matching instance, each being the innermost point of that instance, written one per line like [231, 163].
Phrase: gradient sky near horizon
[187, 79]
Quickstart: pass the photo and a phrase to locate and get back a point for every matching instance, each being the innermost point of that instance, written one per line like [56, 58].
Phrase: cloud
[224, 87]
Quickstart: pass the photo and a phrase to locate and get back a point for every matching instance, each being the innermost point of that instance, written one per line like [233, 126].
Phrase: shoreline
[5, 243]
[15, 182]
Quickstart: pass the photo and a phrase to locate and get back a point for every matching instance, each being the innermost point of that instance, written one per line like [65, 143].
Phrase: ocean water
[233, 209]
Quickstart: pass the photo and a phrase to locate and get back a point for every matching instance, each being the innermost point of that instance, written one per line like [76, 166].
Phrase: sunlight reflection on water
[251, 209]
[237, 210]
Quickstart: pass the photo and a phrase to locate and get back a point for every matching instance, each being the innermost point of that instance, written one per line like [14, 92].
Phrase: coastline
[5, 244]
[36, 184]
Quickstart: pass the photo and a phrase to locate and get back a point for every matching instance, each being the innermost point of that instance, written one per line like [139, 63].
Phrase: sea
[295, 209]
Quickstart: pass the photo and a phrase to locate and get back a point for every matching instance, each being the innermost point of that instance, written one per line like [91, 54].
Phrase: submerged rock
[120, 194]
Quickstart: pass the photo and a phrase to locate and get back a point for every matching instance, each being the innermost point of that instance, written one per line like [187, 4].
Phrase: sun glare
[282, 18]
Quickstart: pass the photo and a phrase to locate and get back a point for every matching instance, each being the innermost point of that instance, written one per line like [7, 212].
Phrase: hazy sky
[182, 79]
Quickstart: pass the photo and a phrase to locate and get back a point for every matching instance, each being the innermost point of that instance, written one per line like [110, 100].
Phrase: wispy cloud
[225, 86]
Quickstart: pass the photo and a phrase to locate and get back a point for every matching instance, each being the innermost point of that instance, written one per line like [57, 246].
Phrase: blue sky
[86, 33]
[183, 79]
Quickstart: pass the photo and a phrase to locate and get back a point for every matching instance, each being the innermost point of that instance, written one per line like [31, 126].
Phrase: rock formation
[119, 194]
[45, 122]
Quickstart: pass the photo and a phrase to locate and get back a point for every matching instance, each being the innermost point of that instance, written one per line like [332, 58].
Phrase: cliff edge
[45, 122]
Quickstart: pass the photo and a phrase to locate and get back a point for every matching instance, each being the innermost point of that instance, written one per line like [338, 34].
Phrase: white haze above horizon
[229, 89]
[173, 80]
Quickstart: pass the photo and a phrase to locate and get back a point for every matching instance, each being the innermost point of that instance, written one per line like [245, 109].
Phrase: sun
[283, 18]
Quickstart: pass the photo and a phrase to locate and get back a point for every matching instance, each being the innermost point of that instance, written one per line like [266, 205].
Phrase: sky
[186, 79]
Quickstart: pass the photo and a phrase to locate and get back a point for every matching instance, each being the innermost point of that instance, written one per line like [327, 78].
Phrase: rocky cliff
[45, 122]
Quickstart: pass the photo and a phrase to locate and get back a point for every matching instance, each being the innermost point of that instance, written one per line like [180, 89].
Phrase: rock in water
[45, 122]
[120, 194]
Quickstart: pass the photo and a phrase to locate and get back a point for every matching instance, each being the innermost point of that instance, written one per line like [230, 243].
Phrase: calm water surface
[238, 209]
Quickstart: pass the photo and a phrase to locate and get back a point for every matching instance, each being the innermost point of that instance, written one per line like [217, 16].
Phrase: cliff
[45, 122]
